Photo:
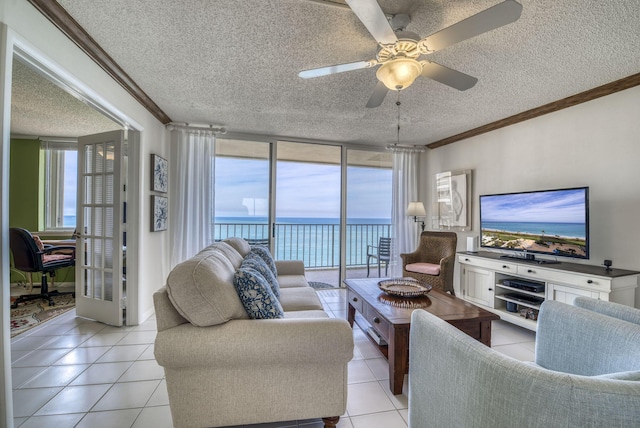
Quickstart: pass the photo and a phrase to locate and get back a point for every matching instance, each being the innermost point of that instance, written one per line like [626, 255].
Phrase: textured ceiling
[40, 108]
[235, 63]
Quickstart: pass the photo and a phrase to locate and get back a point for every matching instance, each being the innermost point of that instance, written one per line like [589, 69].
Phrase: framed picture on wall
[452, 205]
[159, 174]
[159, 213]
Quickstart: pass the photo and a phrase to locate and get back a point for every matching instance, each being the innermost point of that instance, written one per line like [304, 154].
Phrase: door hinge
[123, 303]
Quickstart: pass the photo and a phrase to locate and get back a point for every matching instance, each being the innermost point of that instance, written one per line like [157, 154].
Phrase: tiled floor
[72, 372]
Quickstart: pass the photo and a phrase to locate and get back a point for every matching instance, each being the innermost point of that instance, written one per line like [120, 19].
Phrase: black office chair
[28, 257]
[382, 253]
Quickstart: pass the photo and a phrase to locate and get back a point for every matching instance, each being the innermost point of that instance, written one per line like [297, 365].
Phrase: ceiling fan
[399, 51]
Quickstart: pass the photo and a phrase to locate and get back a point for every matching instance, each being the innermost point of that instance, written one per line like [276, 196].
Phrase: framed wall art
[452, 204]
[159, 174]
[159, 213]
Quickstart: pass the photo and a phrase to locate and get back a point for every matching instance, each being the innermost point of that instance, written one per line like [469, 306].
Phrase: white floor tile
[17, 422]
[41, 357]
[74, 399]
[57, 421]
[511, 335]
[27, 401]
[109, 339]
[138, 337]
[156, 417]
[160, 396]
[367, 349]
[127, 395]
[102, 373]
[358, 371]
[379, 367]
[70, 341]
[110, 419]
[29, 343]
[82, 355]
[56, 376]
[366, 398]
[122, 353]
[19, 375]
[143, 370]
[148, 354]
[379, 420]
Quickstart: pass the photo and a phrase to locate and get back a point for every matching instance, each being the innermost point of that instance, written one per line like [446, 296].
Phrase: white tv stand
[483, 275]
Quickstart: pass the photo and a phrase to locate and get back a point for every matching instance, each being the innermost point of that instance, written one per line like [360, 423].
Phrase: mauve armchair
[433, 261]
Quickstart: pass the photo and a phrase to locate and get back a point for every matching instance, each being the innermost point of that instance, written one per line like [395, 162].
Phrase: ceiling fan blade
[501, 14]
[378, 95]
[369, 12]
[447, 76]
[333, 69]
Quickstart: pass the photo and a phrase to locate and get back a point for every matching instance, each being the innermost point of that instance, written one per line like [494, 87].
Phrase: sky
[560, 206]
[303, 190]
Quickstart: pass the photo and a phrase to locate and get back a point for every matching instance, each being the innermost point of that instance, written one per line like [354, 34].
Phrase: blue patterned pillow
[264, 253]
[254, 261]
[256, 295]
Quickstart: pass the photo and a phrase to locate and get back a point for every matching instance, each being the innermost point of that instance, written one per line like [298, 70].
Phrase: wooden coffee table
[391, 321]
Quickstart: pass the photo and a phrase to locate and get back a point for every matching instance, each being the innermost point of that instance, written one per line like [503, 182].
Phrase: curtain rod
[401, 148]
[189, 127]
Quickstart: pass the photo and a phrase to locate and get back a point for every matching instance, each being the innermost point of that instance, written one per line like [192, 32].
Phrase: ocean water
[572, 230]
[316, 241]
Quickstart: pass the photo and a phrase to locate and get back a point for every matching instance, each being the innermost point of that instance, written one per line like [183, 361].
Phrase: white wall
[595, 144]
[31, 29]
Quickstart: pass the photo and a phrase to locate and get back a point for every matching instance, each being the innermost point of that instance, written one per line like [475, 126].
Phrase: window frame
[54, 187]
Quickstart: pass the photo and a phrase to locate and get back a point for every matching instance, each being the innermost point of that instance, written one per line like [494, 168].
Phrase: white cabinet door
[564, 294]
[477, 285]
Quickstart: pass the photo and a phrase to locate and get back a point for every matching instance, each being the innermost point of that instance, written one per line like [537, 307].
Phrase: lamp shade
[416, 209]
[399, 73]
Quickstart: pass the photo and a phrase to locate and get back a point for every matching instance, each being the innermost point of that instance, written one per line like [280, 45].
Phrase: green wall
[24, 185]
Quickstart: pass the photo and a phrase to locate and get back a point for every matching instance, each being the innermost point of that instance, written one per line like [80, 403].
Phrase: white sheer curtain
[405, 189]
[191, 178]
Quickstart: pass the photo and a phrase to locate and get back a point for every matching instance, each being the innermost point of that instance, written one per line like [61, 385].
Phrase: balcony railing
[318, 245]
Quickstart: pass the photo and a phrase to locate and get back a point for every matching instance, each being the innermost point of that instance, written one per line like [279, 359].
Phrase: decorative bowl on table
[404, 287]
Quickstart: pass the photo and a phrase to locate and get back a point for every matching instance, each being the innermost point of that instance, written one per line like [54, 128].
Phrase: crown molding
[582, 97]
[52, 10]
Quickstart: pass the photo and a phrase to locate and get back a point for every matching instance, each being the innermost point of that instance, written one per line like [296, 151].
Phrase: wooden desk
[392, 323]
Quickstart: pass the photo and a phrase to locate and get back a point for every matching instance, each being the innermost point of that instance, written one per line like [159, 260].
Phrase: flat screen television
[551, 222]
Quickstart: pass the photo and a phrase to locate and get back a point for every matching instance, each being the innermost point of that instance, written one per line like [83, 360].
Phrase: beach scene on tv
[552, 222]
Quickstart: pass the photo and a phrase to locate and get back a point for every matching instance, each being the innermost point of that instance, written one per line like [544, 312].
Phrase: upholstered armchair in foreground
[586, 374]
[433, 261]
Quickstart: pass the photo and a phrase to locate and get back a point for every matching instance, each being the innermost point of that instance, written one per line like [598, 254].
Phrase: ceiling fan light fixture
[399, 73]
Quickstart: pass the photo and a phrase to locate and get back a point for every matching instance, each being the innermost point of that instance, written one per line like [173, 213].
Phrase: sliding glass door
[307, 208]
[368, 190]
[242, 173]
[302, 199]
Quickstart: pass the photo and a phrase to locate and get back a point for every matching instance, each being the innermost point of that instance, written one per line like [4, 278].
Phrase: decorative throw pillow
[256, 295]
[265, 254]
[254, 261]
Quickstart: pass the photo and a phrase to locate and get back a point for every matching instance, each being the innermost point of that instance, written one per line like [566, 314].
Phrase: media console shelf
[514, 289]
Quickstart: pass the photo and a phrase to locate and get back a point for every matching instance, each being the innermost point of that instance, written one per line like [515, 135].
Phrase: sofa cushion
[265, 254]
[256, 295]
[240, 245]
[201, 289]
[299, 299]
[229, 252]
[292, 281]
[254, 261]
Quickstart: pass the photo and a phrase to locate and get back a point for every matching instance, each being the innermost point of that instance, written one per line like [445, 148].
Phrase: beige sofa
[224, 369]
